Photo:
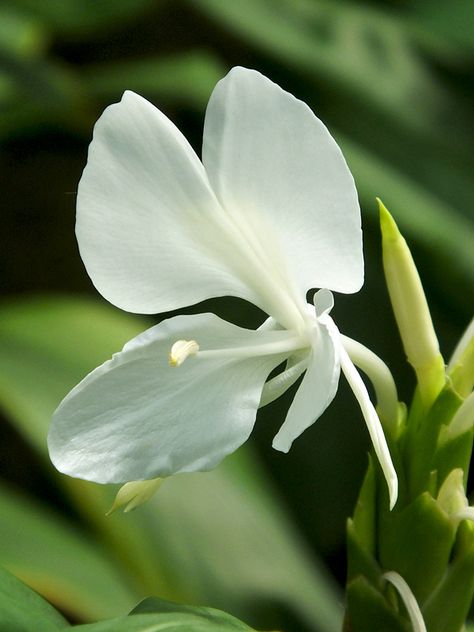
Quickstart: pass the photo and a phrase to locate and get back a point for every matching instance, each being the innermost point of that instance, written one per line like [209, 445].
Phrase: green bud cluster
[428, 538]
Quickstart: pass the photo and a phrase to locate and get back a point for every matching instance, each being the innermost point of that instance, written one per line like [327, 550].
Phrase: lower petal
[318, 387]
[135, 417]
[373, 423]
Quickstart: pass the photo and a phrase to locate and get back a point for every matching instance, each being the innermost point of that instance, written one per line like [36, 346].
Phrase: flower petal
[151, 233]
[135, 417]
[373, 424]
[274, 164]
[318, 388]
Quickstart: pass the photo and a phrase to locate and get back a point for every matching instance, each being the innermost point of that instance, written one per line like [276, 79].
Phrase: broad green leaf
[22, 610]
[61, 562]
[185, 78]
[197, 621]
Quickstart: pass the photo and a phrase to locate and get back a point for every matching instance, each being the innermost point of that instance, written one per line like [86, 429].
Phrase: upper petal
[151, 233]
[274, 164]
[135, 417]
[318, 388]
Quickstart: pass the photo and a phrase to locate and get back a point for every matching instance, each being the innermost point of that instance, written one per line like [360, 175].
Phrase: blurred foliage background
[262, 536]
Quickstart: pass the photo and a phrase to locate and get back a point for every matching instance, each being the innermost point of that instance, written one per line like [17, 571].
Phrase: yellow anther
[181, 350]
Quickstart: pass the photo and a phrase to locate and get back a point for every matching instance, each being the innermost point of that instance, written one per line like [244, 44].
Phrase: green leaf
[23, 610]
[154, 605]
[422, 441]
[360, 561]
[447, 608]
[422, 532]
[365, 510]
[455, 453]
[61, 562]
[192, 621]
[368, 610]
[361, 532]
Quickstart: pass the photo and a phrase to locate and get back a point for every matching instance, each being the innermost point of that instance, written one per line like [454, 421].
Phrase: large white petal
[318, 388]
[151, 233]
[135, 417]
[275, 166]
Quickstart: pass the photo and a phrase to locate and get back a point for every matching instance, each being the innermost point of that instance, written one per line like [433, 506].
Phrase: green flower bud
[411, 310]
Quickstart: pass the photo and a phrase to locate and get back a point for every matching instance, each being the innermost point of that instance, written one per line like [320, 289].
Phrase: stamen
[283, 346]
[181, 350]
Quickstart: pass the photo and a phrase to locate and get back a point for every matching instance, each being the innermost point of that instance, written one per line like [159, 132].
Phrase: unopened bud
[411, 310]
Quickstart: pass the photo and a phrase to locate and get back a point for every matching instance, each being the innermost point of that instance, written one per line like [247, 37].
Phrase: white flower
[270, 213]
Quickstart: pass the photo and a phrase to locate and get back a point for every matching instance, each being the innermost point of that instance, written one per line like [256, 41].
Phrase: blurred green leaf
[20, 34]
[154, 605]
[191, 621]
[59, 561]
[41, 93]
[362, 49]
[47, 345]
[452, 20]
[185, 78]
[420, 215]
[22, 610]
[70, 17]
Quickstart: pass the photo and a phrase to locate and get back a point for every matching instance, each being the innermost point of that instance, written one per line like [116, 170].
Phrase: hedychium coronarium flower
[270, 213]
